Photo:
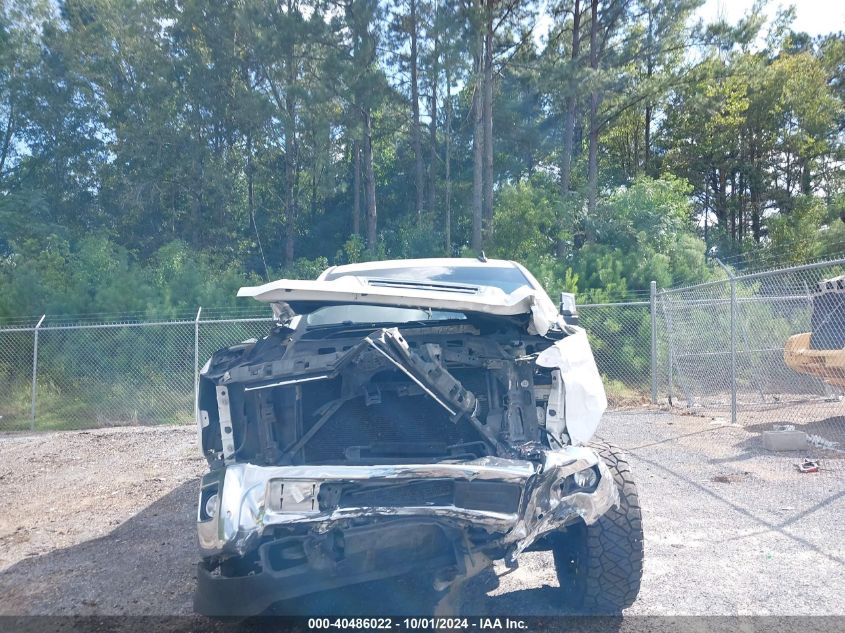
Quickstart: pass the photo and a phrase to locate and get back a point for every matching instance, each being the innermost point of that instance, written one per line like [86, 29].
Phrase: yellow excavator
[821, 353]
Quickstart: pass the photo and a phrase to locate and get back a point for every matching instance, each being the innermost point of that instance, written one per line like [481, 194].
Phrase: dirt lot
[101, 522]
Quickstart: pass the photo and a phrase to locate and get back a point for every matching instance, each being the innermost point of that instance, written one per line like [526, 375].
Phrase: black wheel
[600, 566]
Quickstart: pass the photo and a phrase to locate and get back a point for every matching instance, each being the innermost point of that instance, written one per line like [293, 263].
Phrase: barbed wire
[773, 257]
[134, 317]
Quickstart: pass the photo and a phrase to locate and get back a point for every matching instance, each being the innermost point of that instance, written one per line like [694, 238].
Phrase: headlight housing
[209, 502]
[583, 481]
[586, 478]
[212, 504]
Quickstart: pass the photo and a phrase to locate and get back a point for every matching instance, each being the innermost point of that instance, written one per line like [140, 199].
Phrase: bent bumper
[248, 498]
[269, 541]
[335, 560]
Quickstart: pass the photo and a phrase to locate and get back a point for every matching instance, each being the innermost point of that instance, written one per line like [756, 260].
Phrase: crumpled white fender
[577, 400]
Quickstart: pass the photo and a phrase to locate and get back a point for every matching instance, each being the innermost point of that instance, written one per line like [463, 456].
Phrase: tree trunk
[477, 174]
[432, 131]
[706, 216]
[290, 205]
[732, 207]
[806, 177]
[290, 197]
[754, 193]
[315, 177]
[571, 104]
[250, 178]
[369, 181]
[487, 178]
[477, 139]
[647, 142]
[7, 135]
[195, 189]
[415, 114]
[720, 198]
[649, 71]
[356, 188]
[291, 154]
[592, 171]
[250, 191]
[448, 220]
[740, 207]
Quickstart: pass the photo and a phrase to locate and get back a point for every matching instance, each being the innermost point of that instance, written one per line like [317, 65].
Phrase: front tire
[600, 566]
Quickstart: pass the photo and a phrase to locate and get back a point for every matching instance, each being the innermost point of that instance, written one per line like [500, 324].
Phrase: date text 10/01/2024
[479, 623]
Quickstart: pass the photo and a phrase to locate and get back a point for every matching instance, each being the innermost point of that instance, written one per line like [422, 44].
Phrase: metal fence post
[197, 364]
[733, 350]
[35, 369]
[671, 346]
[653, 342]
[733, 338]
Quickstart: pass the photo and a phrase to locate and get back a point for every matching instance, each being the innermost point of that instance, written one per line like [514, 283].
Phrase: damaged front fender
[577, 399]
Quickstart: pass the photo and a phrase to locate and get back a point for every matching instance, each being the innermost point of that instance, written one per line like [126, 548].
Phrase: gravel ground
[101, 522]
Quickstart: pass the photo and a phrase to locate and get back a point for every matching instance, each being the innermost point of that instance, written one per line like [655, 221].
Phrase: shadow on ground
[832, 428]
[146, 565]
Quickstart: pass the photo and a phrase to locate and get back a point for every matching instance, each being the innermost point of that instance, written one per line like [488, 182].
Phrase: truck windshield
[358, 313]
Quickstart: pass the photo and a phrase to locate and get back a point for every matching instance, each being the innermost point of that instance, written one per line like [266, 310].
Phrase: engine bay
[347, 395]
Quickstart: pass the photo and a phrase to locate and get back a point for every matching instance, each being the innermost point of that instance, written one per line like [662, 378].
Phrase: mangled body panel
[516, 498]
[462, 428]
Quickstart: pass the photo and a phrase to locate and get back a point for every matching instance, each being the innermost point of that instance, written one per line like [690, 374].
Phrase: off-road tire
[599, 566]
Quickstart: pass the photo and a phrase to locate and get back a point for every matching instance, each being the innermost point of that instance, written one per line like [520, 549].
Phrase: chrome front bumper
[252, 498]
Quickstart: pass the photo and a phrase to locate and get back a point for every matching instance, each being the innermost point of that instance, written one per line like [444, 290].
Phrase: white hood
[296, 296]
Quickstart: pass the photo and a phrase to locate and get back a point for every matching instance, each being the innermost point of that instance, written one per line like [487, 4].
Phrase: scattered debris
[731, 477]
[819, 442]
[808, 466]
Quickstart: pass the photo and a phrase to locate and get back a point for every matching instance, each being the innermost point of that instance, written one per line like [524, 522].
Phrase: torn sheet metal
[577, 386]
[254, 497]
[549, 507]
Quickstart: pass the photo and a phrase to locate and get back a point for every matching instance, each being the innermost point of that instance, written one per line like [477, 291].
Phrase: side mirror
[568, 309]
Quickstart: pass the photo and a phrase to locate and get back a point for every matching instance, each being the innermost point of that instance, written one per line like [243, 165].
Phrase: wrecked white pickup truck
[422, 417]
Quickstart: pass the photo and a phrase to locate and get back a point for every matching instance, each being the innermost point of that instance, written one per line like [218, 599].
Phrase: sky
[816, 17]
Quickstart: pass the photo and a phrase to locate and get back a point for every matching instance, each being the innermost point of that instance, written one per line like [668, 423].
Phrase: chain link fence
[17, 346]
[764, 349]
[621, 337]
[716, 347]
[72, 376]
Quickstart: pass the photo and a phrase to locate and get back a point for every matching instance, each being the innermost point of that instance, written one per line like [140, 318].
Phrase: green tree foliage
[155, 155]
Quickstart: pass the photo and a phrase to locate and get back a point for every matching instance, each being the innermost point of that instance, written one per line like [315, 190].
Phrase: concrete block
[785, 440]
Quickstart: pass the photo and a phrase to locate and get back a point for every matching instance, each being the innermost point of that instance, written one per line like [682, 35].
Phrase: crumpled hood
[296, 296]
